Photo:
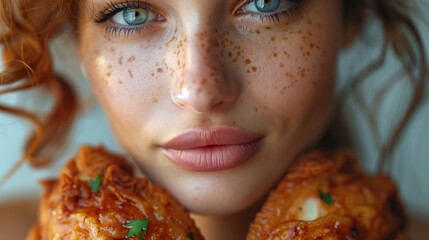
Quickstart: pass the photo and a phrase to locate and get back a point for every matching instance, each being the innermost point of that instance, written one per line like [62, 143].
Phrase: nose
[202, 84]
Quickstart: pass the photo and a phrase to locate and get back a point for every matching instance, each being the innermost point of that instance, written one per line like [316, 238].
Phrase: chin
[216, 194]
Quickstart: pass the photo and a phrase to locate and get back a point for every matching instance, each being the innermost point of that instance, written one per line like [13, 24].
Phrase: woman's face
[248, 84]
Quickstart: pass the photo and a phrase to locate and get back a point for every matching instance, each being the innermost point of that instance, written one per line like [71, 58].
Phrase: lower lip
[213, 158]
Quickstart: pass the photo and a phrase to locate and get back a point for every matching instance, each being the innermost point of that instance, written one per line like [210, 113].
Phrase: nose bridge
[201, 84]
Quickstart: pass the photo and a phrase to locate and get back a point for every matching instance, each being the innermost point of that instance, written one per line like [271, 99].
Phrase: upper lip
[196, 138]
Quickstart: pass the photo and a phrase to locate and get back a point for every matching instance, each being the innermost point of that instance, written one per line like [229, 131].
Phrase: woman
[213, 99]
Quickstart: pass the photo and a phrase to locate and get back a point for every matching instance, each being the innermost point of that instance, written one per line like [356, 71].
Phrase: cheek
[292, 70]
[126, 79]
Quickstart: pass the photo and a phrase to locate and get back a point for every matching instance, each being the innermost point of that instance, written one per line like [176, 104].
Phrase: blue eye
[134, 16]
[267, 5]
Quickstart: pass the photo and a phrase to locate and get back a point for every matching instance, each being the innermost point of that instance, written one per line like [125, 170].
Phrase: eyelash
[113, 8]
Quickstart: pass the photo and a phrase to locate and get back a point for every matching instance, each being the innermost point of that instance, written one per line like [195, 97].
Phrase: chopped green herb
[95, 184]
[137, 226]
[356, 232]
[191, 235]
[325, 197]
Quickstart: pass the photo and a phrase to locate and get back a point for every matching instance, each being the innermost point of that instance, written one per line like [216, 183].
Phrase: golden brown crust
[71, 210]
[362, 207]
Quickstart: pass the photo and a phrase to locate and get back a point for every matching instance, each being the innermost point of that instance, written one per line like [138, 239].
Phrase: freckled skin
[203, 68]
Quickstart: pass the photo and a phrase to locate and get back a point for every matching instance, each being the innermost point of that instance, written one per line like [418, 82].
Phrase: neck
[231, 227]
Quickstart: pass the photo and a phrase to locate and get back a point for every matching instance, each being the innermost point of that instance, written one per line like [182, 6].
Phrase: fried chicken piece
[328, 197]
[72, 209]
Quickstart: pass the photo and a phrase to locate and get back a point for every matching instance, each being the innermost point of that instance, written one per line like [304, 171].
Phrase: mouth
[206, 150]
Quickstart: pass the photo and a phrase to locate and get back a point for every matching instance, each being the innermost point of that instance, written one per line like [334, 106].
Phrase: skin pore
[215, 63]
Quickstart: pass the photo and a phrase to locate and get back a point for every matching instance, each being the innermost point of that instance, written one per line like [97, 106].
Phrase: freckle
[249, 83]
[248, 71]
[108, 74]
[109, 66]
[273, 38]
[234, 123]
[154, 100]
[131, 74]
[120, 60]
[285, 38]
[229, 54]
[268, 28]
[254, 69]
[204, 81]
[311, 45]
[282, 65]
[199, 90]
[247, 61]
[131, 59]
[308, 53]
[275, 54]
[256, 109]
[159, 70]
[257, 31]
[235, 60]
[309, 22]
[152, 74]
[120, 82]
[314, 83]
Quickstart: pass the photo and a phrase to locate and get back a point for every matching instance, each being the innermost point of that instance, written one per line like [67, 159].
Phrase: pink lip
[212, 150]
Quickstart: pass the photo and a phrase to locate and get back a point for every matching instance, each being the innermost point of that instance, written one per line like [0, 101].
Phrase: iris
[267, 5]
[135, 16]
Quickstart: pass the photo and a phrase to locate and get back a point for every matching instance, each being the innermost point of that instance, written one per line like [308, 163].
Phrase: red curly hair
[27, 27]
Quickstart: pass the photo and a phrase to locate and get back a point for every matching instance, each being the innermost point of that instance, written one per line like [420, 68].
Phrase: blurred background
[409, 165]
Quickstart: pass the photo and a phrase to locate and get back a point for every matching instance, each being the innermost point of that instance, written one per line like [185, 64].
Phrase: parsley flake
[137, 226]
[356, 232]
[191, 235]
[95, 184]
[326, 197]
